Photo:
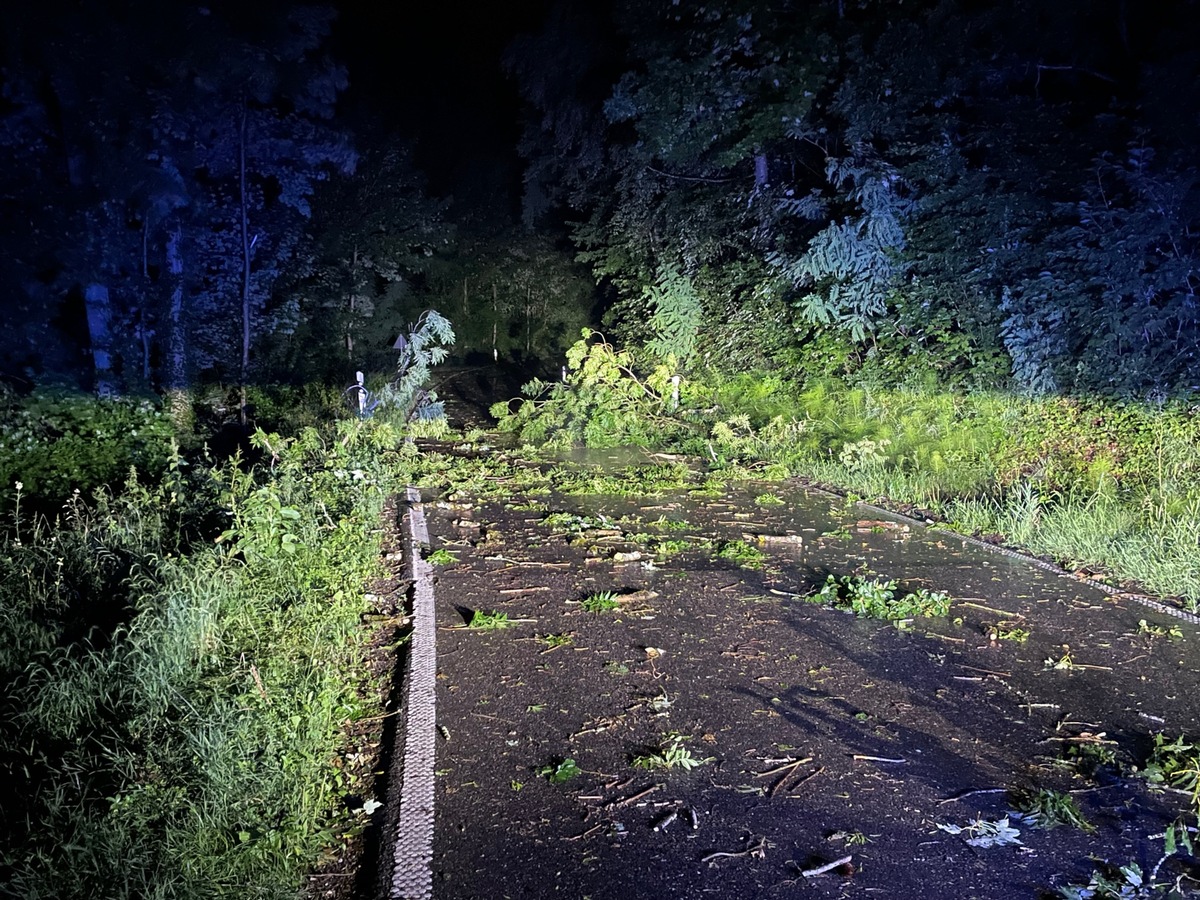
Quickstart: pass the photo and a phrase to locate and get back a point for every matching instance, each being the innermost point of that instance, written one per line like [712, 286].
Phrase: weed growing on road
[560, 772]
[574, 524]
[1064, 663]
[1088, 758]
[1123, 883]
[1175, 764]
[742, 553]
[1129, 882]
[876, 598]
[493, 621]
[1005, 630]
[669, 548]
[1169, 631]
[551, 641]
[441, 557]
[670, 754]
[768, 499]
[605, 601]
[1049, 809]
[670, 524]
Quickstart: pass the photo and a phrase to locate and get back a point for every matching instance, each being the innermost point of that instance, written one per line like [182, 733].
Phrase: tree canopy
[1008, 189]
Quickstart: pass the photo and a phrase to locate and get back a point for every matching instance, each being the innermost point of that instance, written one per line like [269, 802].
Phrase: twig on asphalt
[965, 794]
[807, 778]
[828, 867]
[757, 851]
[788, 772]
[788, 764]
[617, 804]
[588, 833]
[665, 822]
[985, 671]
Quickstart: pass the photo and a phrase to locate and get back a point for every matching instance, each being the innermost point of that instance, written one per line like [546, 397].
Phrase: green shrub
[56, 443]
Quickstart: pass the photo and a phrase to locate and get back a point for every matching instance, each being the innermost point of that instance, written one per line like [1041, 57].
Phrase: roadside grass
[181, 654]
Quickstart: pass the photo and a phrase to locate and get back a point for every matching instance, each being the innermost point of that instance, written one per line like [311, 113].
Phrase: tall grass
[174, 703]
[1096, 482]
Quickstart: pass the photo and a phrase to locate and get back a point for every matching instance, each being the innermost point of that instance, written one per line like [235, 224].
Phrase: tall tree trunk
[353, 295]
[243, 202]
[179, 401]
[99, 322]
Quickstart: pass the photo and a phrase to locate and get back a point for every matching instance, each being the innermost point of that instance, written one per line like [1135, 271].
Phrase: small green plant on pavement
[670, 754]
[562, 771]
[1175, 764]
[875, 598]
[605, 601]
[441, 557]
[1169, 631]
[768, 499]
[1005, 630]
[742, 553]
[1130, 883]
[489, 621]
[1049, 809]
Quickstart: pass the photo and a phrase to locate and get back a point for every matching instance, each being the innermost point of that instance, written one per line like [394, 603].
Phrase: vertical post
[362, 395]
[243, 203]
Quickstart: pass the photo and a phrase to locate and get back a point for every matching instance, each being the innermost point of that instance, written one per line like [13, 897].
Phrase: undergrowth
[181, 653]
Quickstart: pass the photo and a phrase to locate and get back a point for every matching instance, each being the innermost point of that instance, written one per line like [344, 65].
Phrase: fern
[850, 266]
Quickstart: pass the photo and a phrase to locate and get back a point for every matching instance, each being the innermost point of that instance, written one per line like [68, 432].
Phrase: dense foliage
[993, 192]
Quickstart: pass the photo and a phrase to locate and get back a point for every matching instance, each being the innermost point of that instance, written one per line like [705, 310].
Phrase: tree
[181, 177]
